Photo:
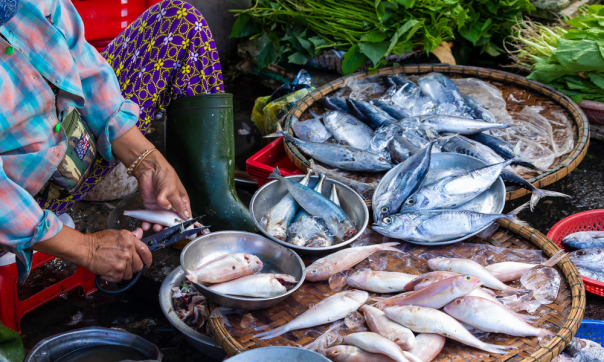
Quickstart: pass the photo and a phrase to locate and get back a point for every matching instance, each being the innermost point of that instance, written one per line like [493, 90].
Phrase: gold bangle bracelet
[132, 169]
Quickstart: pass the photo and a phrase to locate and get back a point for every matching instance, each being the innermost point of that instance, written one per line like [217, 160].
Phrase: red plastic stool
[12, 309]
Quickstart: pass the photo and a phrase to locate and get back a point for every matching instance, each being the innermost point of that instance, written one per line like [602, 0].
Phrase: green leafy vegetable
[373, 29]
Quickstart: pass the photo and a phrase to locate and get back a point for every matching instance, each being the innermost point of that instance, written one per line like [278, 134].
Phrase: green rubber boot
[200, 146]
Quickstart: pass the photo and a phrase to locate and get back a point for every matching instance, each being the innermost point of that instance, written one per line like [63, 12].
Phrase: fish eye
[385, 209]
[411, 201]
[336, 352]
[314, 271]
[599, 251]
[458, 301]
[580, 252]
[258, 262]
[425, 279]
[468, 277]
[387, 220]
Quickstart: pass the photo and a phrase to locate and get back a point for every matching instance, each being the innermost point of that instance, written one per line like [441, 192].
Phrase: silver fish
[443, 90]
[584, 240]
[410, 98]
[258, 285]
[471, 267]
[301, 238]
[510, 270]
[370, 114]
[453, 190]
[343, 157]
[379, 281]
[438, 225]
[591, 258]
[452, 124]
[428, 320]
[162, 217]
[504, 149]
[318, 205]
[374, 343]
[311, 130]
[427, 346]
[399, 150]
[592, 274]
[344, 353]
[492, 317]
[277, 220]
[225, 268]
[478, 110]
[331, 309]
[349, 130]
[400, 182]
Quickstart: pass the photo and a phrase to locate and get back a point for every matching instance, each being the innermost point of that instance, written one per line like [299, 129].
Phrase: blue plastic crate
[592, 330]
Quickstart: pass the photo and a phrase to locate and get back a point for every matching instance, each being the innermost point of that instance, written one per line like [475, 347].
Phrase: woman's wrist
[130, 146]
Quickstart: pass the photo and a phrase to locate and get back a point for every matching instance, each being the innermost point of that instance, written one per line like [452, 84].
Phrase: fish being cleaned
[372, 115]
[379, 281]
[468, 147]
[331, 309]
[400, 182]
[584, 240]
[342, 260]
[343, 353]
[318, 205]
[428, 346]
[591, 258]
[311, 130]
[278, 219]
[471, 267]
[385, 327]
[492, 317]
[436, 295]
[510, 270]
[374, 343]
[439, 225]
[348, 130]
[428, 320]
[163, 217]
[454, 190]
[443, 90]
[225, 268]
[257, 285]
[343, 157]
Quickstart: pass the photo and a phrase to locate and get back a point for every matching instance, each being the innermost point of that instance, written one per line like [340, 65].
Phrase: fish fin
[442, 138]
[539, 193]
[525, 317]
[512, 214]
[275, 174]
[378, 299]
[555, 258]
[275, 135]
[495, 348]
[516, 151]
[545, 333]
[273, 333]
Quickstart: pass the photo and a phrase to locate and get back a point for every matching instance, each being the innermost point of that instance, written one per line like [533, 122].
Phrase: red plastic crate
[584, 221]
[12, 309]
[106, 19]
[262, 164]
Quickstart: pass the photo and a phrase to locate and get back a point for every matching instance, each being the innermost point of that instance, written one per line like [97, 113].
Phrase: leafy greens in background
[296, 31]
[569, 59]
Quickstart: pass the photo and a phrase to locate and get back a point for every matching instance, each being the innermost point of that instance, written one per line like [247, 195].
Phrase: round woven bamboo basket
[564, 316]
[528, 92]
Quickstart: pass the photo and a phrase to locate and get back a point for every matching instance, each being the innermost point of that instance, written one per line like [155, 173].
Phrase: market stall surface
[137, 311]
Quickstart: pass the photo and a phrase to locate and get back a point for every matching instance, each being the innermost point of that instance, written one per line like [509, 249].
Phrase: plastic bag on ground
[327, 339]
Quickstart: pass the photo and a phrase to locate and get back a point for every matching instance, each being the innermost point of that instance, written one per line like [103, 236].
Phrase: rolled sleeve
[124, 119]
[22, 222]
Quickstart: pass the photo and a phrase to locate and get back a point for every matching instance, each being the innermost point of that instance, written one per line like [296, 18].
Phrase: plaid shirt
[49, 44]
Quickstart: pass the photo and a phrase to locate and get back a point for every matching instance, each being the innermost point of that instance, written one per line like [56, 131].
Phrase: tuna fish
[348, 130]
[584, 240]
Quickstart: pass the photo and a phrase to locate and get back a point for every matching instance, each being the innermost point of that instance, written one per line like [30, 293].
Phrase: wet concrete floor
[137, 311]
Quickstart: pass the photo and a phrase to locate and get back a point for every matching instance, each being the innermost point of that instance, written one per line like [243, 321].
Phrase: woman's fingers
[143, 252]
[146, 226]
[157, 228]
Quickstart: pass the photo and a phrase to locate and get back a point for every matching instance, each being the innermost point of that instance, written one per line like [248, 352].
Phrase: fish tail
[275, 135]
[545, 333]
[495, 348]
[512, 214]
[526, 317]
[272, 333]
[555, 258]
[539, 193]
[275, 174]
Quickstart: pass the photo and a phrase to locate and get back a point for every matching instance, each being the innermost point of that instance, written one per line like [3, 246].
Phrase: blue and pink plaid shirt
[49, 41]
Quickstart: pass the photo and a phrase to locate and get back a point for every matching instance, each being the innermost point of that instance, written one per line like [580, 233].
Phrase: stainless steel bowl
[279, 354]
[204, 344]
[491, 201]
[351, 202]
[276, 259]
[58, 346]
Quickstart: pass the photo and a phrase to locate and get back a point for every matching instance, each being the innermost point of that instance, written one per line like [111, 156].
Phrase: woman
[67, 116]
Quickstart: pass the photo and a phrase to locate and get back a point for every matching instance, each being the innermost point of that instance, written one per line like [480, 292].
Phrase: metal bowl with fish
[351, 203]
[275, 259]
[490, 201]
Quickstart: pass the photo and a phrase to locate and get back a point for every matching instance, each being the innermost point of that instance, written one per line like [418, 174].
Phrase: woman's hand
[113, 254]
[158, 182]
[161, 188]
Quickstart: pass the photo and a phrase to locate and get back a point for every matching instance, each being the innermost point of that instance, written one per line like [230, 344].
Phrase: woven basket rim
[561, 170]
[544, 354]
